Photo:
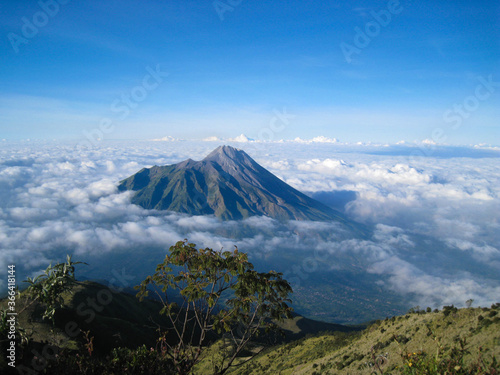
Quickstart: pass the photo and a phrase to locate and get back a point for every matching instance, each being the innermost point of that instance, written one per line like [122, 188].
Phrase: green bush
[140, 361]
[453, 363]
[447, 310]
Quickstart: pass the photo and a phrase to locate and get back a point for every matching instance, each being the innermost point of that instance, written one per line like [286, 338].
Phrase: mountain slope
[114, 319]
[227, 183]
[456, 341]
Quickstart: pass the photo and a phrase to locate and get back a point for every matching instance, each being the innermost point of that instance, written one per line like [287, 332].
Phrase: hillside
[114, 319]
[311, 347]
[400, 344]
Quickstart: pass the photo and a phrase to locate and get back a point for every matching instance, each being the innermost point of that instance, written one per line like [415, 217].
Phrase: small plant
[378, 361]
[89, 342]
[48, 287]
[47, 290]
[414, 310]
[452, 363]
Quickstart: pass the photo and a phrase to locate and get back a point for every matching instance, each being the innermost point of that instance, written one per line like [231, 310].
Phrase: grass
[389, 346]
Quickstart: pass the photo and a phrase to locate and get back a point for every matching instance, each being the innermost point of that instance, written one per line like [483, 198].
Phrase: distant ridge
[228, 184]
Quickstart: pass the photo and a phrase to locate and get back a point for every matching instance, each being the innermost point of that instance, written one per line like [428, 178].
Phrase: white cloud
[242, 138]
[167, 138]
[319, 139]
[212, 138]
[429, 290]
[58, 199]
[484, 252]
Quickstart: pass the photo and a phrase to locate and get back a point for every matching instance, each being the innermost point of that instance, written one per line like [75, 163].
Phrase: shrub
[447, 310]
[417, 363]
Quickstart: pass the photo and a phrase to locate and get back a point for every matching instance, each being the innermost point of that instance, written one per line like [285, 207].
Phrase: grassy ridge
[391, 346]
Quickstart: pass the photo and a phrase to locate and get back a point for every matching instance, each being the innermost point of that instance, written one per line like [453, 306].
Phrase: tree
[221, 293]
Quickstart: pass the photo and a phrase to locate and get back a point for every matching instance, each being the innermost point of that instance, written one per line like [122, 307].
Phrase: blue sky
[422, 70]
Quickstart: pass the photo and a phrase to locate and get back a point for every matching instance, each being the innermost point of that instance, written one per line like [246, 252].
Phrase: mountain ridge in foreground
[117, 322]
[227, 183]
[449, 341]
[395, 344]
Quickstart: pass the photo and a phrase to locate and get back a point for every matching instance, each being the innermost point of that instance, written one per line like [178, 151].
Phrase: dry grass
[384, 342]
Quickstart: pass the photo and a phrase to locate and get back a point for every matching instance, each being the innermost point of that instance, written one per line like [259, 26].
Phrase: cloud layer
[435, 237]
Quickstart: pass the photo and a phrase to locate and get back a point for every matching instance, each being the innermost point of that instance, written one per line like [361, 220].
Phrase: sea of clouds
[434, 215]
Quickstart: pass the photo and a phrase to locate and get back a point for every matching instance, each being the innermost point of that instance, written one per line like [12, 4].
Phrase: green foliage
[48, 287]
[447, 310]
[414, 310]
[420, 362]
[21, 334]
[4, 326]
[140, 361]
[46, 290]
[222, 293]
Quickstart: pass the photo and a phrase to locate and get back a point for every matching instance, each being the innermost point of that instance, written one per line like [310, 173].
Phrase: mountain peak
[227, 183]
[224, 151]
[227, 155]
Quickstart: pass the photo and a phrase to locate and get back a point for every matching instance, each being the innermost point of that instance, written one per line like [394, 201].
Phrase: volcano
[229, 184]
